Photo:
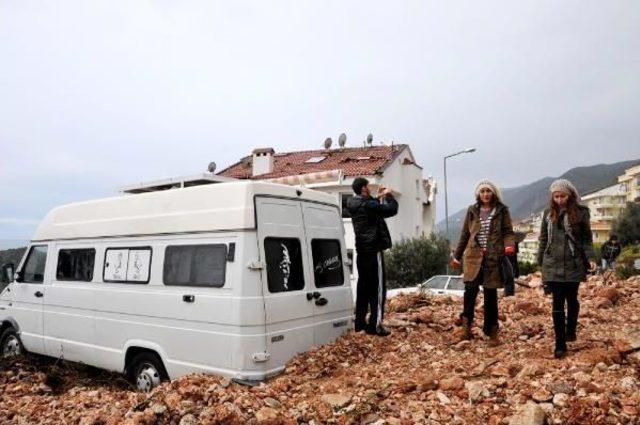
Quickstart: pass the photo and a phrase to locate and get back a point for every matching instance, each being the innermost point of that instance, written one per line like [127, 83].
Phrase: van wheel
[147, 371]
[10, 344]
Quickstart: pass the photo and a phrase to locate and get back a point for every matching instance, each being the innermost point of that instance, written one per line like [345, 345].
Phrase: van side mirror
[8, 271]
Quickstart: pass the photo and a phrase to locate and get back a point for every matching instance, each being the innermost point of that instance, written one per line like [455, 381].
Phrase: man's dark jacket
[367, 215]
[610, 250]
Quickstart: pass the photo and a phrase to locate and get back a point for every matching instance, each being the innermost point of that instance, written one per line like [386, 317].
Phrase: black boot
[559, 328]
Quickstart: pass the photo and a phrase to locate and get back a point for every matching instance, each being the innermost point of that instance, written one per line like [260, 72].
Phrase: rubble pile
[422, 373]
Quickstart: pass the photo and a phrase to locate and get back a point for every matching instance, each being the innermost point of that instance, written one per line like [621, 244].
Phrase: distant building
[528, 248]
[630, 182]
[605, 206]
[333, 171]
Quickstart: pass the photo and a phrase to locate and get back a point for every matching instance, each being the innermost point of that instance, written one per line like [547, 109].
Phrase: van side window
[284, 264]
[76, 264]
[327, 262]
[127, 265]
[195, 265]
[34, 266]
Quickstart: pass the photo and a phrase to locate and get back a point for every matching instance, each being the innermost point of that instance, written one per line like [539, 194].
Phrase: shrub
[627, 227]
[625, 263]
[526, 267]
[412, 261]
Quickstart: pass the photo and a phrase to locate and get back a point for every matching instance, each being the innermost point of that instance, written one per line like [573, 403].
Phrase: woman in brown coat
[487, 235]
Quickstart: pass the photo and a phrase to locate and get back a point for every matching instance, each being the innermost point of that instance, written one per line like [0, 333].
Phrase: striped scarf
[485, 226]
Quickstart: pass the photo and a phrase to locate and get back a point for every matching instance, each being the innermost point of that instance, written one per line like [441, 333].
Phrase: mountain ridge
[532, 198]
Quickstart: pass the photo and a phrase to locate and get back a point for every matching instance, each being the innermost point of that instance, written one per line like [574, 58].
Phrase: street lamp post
[446, 200]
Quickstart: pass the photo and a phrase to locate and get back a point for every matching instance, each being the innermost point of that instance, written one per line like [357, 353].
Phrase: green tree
[412, 261]
[627, 227]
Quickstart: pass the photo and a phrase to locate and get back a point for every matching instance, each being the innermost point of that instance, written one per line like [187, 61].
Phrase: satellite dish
[369, 139]
[212, 167]
[327, 143]
[342, 140]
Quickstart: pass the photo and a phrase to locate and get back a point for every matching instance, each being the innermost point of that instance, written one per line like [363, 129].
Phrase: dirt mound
[422, 373]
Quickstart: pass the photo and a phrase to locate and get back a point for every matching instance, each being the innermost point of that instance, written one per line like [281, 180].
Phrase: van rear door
[333, 300]
[286, 280]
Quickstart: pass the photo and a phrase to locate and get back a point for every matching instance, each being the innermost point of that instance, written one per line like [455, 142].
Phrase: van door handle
[322, 301]
[39, 294]
[188, 298]
[312, 295]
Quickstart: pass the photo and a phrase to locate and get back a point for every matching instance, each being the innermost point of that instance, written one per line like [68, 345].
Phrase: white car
[444, 285]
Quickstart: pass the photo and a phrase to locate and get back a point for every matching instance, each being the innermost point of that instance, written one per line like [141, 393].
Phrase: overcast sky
[96, 95]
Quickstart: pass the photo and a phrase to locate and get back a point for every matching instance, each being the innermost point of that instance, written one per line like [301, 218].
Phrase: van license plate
[277, 338]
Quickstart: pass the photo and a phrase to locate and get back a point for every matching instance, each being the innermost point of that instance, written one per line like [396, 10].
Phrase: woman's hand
[592, 266]
[455, 264]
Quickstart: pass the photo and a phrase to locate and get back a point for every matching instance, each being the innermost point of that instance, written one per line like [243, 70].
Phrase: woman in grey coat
[565, 256]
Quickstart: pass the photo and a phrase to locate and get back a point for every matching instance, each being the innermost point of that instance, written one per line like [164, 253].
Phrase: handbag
[506, 272]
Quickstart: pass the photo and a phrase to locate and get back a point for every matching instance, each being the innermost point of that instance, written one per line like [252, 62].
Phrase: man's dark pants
[371, 291]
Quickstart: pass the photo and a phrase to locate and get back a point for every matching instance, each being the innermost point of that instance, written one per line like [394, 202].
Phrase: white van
[231, 278]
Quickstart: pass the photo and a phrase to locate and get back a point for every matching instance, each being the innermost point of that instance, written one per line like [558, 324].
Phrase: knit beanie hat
[564, 186]
[486, 184]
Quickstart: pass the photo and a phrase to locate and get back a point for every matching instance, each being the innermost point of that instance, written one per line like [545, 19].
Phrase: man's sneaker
[380, 331]
[571, 337]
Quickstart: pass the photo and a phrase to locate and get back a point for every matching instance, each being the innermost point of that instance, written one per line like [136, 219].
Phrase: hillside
[533, 197]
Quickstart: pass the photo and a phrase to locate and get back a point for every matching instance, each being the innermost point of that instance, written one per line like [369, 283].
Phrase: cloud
[14, 221]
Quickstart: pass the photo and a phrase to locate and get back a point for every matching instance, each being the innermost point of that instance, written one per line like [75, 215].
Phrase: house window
[34, 266]
[195, 265]
[284, 264]
[127, 265]
[345, 202]
[76, 264]
[327, 262]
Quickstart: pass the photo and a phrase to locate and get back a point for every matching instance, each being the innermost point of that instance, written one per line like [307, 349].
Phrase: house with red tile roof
[333, 171]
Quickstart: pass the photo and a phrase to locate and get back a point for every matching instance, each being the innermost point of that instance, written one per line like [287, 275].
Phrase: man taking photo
[372, 238]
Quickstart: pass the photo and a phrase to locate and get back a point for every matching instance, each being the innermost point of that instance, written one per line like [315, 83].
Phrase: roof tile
[361, 161]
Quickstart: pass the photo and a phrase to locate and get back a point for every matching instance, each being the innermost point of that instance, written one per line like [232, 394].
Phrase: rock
[529, 414]
[612, 294]
[272, 402]
[634, 358]
[426, 383]
[564, 387]
[158, 408]
[527, 307]
[476, 390]
[266, 414]
[530, 370]
[423, 317]
[560, 400]
[632, 339]
[601, 367]
[547, 408]
[462, 345]
[452, 384]
[629, 383]
[542, 396]
[443, 398]
[188, 419]
[630, 411]
[602, 303]
[336, 401]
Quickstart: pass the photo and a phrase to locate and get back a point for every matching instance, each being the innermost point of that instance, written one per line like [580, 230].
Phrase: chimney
[262, 161]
